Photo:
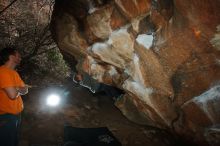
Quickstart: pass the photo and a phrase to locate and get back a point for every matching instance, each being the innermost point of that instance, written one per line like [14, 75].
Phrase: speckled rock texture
[164, 54]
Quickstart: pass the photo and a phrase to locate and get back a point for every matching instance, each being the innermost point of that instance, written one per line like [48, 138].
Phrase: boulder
[163, 54]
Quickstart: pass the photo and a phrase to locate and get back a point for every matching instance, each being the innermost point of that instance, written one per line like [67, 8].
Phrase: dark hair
[5, 53]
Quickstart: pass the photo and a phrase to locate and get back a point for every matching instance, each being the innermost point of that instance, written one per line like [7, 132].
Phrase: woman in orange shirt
[11, 104]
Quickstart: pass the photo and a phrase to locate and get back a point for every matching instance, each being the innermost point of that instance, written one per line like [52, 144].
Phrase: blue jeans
[9, 129]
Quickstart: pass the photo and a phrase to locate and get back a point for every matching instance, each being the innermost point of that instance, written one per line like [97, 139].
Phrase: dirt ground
[43, 125]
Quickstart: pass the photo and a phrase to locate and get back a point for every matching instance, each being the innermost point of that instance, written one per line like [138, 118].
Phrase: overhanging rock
[163, 54]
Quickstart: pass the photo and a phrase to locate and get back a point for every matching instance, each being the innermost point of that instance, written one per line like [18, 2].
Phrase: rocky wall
[164, 54]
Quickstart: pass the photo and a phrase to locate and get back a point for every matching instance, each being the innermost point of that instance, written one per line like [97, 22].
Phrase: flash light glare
[53, 100]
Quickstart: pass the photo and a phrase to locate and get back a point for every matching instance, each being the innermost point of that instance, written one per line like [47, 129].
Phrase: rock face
[163, 53]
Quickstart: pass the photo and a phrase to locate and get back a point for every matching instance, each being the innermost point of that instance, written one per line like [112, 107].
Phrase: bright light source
[53, 100]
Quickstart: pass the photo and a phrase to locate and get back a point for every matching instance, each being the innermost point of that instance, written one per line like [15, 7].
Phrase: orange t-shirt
[9, 78]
